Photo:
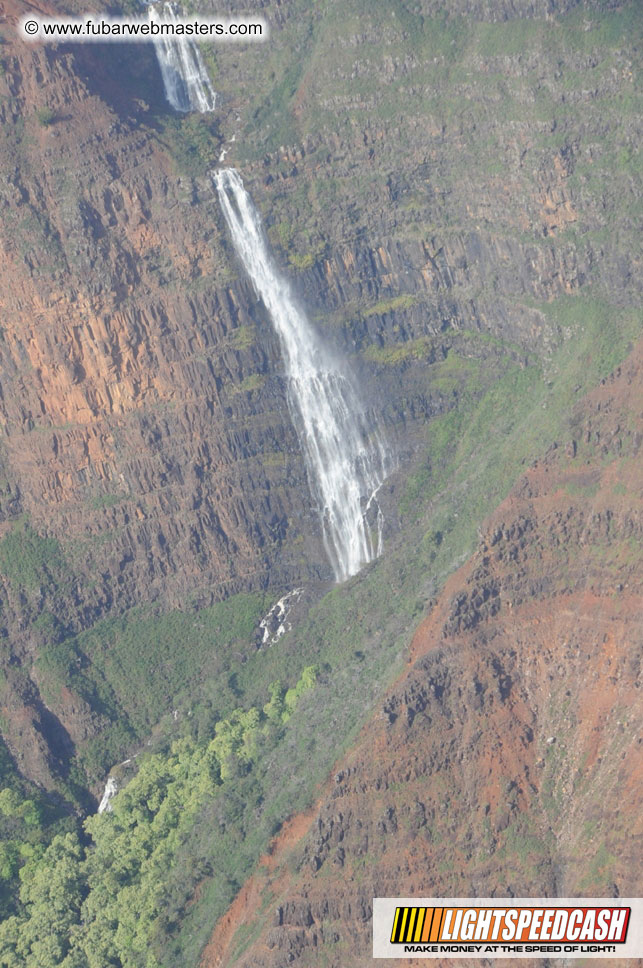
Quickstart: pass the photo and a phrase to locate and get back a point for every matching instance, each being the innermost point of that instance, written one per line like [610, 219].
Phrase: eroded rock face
[142, 399]
[506, 760]
[133, 362]
[129, 371]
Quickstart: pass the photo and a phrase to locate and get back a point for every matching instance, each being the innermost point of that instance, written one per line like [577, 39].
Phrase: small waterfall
[110, 791]
[275, 623]
[185, 78]
[346, 460]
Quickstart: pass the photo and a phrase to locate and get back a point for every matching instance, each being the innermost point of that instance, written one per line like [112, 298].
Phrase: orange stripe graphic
[428, 919]
[437, 924]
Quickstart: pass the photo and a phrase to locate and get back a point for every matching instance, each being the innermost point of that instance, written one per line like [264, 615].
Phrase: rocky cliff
[133, 363]
[506, 759]
[454, 195]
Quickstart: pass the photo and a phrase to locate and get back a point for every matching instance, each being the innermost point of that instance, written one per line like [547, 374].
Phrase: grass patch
[193, 141]
[253, 382]
[29, 561]
[578, 489]
[45, 117]
[152, 661]
[103, 501]
[522, 412]
[415, 349]
[242, 338]
[391, 305]
[136, 669]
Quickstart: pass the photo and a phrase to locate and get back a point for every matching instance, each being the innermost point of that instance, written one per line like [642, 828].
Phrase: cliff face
[506, 759]
[129, 370]
[143, 409]
[454, 196]
[437, 189]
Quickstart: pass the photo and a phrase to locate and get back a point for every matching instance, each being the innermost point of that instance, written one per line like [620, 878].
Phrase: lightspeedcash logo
[507, 927]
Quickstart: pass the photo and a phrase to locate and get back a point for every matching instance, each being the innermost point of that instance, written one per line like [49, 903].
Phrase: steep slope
[147, 451]
[454, 197]
[124, 355]
[507, 758]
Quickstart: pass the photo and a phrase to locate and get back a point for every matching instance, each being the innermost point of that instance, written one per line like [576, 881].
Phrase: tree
[52, 891]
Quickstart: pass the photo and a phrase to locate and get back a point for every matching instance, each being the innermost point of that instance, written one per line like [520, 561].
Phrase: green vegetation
[305, 261]
[402, 302]
[416, 349]
[28, 822]
[135, 669]
[584, 490]
[242, 338]
[193, 141]
[29, 561]
[524, 842]
[459, 441]
[301, 250]
[453, 51]
[253, 382]
[600, 875]
[45, 116]
[104, 897]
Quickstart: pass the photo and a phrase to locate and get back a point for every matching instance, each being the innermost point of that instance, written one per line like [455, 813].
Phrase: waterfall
[111, 789]
[346, 460]
[185, 78]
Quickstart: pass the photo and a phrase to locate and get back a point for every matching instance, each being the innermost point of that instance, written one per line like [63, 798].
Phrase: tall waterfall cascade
[185, 78]
[346, 458]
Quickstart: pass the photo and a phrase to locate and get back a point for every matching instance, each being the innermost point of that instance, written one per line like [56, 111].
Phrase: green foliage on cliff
[30, 561]
[460, 67]
[302, 251]
[405, 301]
[522, 412]
[254, 381]
[45, 116]
[28, 822]
[135, 669]
[101, 896]
[193, 141]
[242, 338]
[397, 354]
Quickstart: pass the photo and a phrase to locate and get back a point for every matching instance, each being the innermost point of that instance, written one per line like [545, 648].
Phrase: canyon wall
[506, 759]
[450, 196]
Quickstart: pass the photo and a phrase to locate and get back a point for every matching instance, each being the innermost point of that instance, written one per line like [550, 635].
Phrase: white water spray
[111, 789]
[345, 463]
[185, 78]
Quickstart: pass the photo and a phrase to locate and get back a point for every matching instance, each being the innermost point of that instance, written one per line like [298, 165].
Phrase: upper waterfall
[346, 459]
[185, 78]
